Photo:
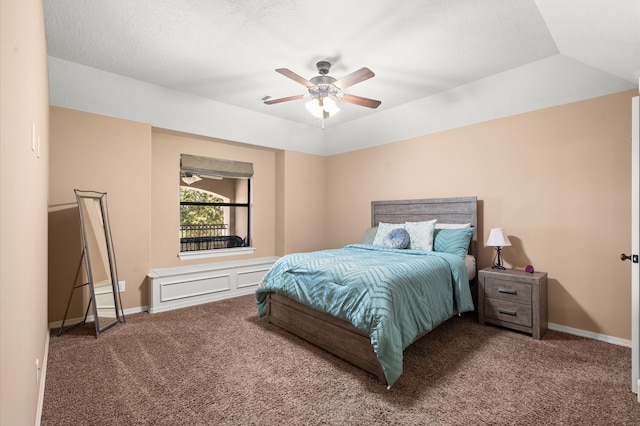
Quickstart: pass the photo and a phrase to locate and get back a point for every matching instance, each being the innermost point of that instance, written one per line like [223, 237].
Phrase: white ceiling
[453, 62]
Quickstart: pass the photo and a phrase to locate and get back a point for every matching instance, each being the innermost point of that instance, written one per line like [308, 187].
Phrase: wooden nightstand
[513, 299]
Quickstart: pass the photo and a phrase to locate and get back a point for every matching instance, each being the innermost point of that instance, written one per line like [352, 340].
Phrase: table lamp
[498, 239]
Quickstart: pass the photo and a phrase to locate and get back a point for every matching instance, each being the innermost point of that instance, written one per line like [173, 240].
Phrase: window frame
[220, 252]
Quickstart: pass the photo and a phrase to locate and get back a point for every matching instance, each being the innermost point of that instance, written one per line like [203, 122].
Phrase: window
[215, 206]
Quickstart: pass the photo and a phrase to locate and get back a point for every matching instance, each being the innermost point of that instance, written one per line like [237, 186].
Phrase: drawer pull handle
[511, 312]
[507, 290]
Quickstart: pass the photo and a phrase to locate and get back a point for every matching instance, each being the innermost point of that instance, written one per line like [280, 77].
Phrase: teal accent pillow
[397, 238]
[454, 241]
[369, 235]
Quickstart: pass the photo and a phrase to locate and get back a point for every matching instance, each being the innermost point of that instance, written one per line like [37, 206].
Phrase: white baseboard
[137, 310]
[43, 377]
[583, 333]
[71, 321]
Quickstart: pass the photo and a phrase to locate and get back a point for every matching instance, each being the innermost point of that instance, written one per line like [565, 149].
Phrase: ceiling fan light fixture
[322, 107]
[331, 106]
[190, 178]
[325, 91]
[314, 107]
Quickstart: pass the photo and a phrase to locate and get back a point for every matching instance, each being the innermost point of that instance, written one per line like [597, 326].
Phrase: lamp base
[498, 264]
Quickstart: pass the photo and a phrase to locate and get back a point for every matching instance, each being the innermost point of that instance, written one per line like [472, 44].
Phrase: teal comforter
[392, 295]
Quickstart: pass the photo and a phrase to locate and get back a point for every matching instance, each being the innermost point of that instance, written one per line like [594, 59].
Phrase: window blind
[215, 167]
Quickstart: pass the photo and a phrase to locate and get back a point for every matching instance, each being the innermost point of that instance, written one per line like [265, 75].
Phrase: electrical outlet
[121, 286]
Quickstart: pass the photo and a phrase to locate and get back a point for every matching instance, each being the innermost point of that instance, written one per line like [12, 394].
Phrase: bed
[346, 302]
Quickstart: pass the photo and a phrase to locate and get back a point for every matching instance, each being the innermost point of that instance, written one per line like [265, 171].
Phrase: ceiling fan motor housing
[323, 83]
[323, 67]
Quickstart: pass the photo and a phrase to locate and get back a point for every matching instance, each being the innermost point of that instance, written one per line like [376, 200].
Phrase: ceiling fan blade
[358, 100]
[288, 98]
[355, 77]
[295, 77]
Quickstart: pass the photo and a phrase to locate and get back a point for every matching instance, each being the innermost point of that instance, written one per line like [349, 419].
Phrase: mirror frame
[92, 254]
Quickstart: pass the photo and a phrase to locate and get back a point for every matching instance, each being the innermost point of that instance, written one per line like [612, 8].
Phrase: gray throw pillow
[397, 238]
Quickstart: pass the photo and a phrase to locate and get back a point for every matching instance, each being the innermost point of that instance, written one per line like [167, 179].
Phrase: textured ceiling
[227, 51]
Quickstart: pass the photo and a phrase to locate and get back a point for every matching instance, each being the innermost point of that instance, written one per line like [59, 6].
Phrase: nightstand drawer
[516, 313]
[511, 291]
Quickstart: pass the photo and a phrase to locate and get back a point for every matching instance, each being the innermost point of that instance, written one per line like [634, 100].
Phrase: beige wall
[165, 198]
[98, 153]
[23, 208]
[302, 205]
[279, 207]
[557, 180]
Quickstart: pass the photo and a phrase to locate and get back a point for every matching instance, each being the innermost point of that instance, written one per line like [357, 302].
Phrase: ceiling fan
[325, 90]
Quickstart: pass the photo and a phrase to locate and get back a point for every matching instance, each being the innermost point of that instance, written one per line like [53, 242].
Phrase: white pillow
[452, 225]
[421, 234]
[383, 230]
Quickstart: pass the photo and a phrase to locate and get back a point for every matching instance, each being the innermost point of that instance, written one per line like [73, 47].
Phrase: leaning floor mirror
[98, 258]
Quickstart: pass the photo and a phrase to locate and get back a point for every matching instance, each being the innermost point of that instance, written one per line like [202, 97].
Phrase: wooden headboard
[446, 210]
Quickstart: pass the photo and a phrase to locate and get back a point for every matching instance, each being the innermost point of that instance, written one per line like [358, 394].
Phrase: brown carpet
[219, 364]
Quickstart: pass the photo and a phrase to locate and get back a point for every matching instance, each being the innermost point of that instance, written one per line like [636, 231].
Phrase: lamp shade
[497, 238]
[330, 106]
[322, 107]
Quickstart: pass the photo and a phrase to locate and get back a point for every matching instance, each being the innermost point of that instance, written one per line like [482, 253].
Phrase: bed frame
[340, 337]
